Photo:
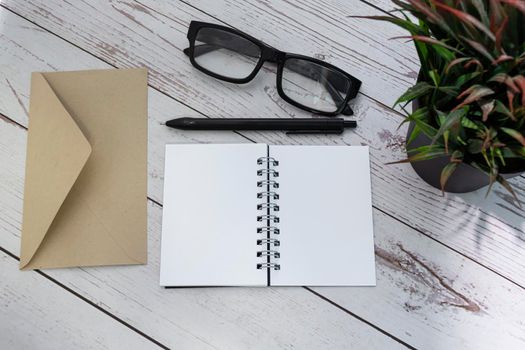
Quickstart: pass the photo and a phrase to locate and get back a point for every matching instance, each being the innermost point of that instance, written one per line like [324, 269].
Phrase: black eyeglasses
[236, 57]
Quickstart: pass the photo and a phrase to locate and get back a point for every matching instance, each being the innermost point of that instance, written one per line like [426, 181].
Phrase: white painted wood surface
[36, 313]
[202, 318]
[428, 295]
[153, 34]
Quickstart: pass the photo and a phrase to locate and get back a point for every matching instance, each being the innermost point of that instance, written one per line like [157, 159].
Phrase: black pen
[291, 125]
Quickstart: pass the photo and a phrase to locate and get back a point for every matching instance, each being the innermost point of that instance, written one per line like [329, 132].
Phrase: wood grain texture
[322, 29]
[188, 318]
[35, 313]
[226, 317]
[383, 5]
[490, 231]
[221, 318]
[435, 299]
[424, 293]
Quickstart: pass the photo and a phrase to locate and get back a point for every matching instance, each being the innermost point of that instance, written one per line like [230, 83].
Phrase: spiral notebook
[261, 215]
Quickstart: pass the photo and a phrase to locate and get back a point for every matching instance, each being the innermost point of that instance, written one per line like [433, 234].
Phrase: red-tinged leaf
[520, 82]
[510, 97]
[502, 58]
[466, 18]
[427, 11]
[507, 80]
[471, 62]
[466, 92]
[478, 47]
[447, 171]
[496, 15]
[519, 4]
[422, 153]
[486, 108]
[474, 93]
[499, 32]
[482, 10]
[456, 157]
[456, 61]
[514, 134]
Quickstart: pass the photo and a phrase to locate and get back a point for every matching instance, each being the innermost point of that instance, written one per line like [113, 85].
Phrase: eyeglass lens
[313, 85]
[225, 53]
[308, 83]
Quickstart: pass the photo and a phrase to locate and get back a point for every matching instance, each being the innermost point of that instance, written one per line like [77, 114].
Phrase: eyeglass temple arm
[332, 90]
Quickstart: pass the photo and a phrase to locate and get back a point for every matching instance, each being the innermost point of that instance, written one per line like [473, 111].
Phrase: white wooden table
[450, 270]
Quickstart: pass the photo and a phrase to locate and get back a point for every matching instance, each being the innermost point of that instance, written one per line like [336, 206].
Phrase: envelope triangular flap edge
[57, 150]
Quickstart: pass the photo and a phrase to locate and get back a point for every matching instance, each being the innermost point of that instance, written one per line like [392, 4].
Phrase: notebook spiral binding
[268, 207]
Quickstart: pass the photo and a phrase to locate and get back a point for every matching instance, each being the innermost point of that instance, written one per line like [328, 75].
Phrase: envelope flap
[56, 153]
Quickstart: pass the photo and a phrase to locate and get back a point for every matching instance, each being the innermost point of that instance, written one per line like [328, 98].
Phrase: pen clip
[298, 132]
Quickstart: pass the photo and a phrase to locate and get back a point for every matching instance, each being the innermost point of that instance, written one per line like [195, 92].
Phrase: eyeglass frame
[272, 55]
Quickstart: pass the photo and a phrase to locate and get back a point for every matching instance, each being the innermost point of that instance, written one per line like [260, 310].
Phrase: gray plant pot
[465, 178]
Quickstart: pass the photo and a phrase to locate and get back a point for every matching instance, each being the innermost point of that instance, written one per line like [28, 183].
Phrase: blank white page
[209, 222]
[325, 211]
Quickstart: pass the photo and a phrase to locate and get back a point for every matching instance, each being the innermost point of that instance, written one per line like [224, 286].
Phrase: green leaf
[462, 79]
[434, 76]
[449, 90]
[478, 47]
[456, 156]
[420, 118]
[422, 53]
[482, 11]
[447, 171]
[414, 92]
[514, 134]
[460, 140]
[452, 118]
[501, 108]
[423, 153]
[416, 131]
[475, 146]
[499, 154]
[468, 19]
[514, 152]
[467, 123]
[456, 61]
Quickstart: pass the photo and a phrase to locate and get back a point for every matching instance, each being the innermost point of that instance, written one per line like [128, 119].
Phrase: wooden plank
[425, 293]
[128, 34]
[35, 313]
[194, 317]
[148, 307]
[224, 318]
[435, 299]
[323, 29]
[383, 5]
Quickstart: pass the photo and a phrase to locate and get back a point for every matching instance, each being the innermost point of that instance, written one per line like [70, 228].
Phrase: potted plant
[467, 124]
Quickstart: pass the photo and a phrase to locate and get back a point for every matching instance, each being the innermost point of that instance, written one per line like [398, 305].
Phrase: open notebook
[260, 215]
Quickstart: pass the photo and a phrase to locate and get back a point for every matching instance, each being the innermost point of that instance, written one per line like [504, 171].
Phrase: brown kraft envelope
[85, 196]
